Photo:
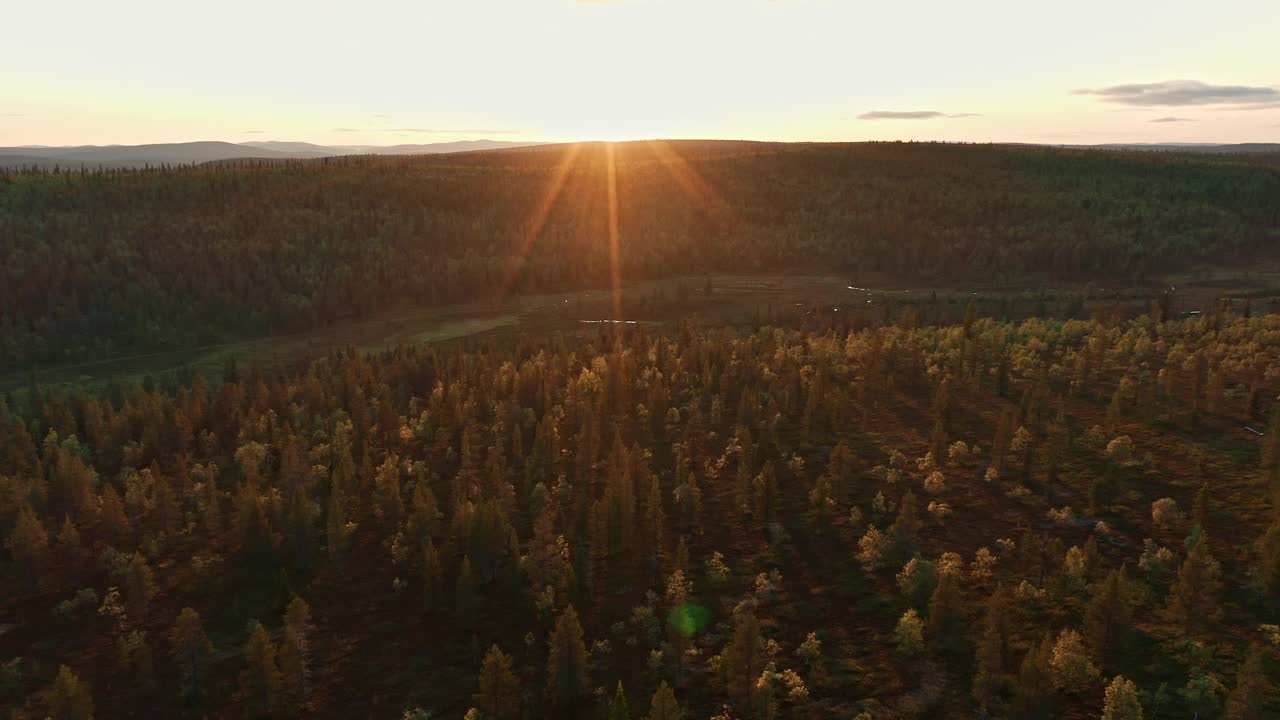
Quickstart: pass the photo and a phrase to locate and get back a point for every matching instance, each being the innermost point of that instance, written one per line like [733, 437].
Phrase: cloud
[1184, 93]
[432, 131]
[380, 116]
[13, 114]
[252, 132]
[1171, 119]
[912, 115]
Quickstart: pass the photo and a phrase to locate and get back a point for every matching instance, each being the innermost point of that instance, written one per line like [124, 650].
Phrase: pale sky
[397, 71]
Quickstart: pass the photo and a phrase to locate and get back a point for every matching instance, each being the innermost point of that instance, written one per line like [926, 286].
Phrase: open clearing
[733, 299]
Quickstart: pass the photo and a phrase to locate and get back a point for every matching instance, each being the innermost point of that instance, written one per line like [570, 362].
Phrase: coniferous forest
[100, 264]
[902, 514]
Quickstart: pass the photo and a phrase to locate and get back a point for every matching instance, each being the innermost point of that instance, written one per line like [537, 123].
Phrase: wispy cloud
[253, 132]
[912, 115]
[431, 131]
[1183, 93]
[1171, 119]
[13, 114]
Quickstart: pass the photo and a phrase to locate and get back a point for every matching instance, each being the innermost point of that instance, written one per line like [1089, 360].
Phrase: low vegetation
[1031, 519]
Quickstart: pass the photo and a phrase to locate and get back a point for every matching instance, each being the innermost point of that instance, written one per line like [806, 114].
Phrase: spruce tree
[946, 611]
[1253, 689]
[1193, 599]
[261, 680]
[28, 543]
[466, 600]
[69, 698]
[618, 709]
[190, 651]
[663, 706]
[499, 696]
[295, 656]
[744, 658]
[567, 674]
[1108, 612]
[1268, 548]
[1034, 690]
[140, 588]
[988, 676]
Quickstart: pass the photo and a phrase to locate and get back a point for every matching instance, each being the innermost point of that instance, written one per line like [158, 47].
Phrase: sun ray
[693, 185]
[615, 271]
[539, 218]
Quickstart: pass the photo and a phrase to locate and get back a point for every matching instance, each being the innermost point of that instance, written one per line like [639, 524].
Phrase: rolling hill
[195, 153]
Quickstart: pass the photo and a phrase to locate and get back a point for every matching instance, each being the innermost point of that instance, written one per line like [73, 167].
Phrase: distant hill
[126, 156]
[292, 147]
[1209, 148]
[432, 148]
[195, 153]
[194, 255]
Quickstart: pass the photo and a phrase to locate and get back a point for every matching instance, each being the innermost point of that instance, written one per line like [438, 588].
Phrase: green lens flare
[689, 618]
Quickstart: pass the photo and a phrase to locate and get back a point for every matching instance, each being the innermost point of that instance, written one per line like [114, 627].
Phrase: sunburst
[690, 182]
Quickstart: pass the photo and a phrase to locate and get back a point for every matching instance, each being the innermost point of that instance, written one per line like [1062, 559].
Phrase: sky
[384, 72]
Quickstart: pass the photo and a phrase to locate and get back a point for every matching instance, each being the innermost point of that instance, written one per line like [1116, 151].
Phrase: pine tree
[136, 661]
[1034, 690]
[499, 696]
[663, 706]
[69, 551]
[946, 610]
[211, 500]
[1108, 612]
[424, 518]
[336, 521]
[567, 677]
[295, 656]
[1268, 547]
[618, 709]
[988, 677]
[466, 596]
[744, 658]
[261, 680]
[1253, 689]
[1203, 506]
[112, 520]
[821, 503]
[140, 587]
[1121, 702]
[906, 527]
[388, 504]
[29, 544]
[190, 650]
[69, 698]
[1072, 669]
[167, 512]
[432, 576]
[1193, 600]
[908, 635]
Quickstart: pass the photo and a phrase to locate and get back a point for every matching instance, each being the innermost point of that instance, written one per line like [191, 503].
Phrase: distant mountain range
[194, 153]
[1211, 148]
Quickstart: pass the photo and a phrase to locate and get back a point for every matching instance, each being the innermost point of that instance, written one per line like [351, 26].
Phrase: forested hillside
[1044, 519]
[94, 265]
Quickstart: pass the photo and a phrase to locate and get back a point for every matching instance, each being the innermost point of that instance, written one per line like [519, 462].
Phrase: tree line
[118, 262]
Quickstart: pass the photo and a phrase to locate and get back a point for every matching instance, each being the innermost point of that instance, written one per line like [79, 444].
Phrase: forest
[113, 263]
[1037, 518]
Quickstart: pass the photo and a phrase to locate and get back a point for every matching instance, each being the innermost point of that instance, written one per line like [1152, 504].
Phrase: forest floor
[732, 300]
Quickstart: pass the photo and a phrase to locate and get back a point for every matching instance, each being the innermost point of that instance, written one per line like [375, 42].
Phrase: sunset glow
[390, 71]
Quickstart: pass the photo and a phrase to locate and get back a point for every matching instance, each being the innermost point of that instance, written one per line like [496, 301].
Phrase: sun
[683, 174]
